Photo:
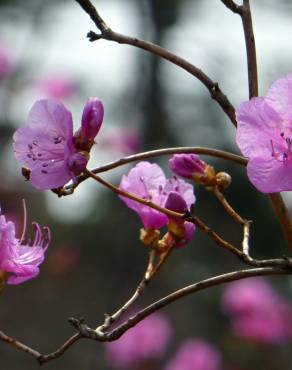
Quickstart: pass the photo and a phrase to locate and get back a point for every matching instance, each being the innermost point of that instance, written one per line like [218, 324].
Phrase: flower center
[284, 153]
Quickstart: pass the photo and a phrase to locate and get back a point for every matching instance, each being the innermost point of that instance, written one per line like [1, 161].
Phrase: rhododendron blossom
[146, 341]
[20, 260]
[148, 181]
[46, 147]
[257, 312]
[264, 135]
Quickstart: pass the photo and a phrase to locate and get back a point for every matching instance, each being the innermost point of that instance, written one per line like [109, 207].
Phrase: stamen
[24, 222]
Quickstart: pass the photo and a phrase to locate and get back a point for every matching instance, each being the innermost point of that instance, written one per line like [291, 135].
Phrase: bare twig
[228, 207]
[108, 34]
[21, 346]
[149, 274]
[69, 189]
[61, 350]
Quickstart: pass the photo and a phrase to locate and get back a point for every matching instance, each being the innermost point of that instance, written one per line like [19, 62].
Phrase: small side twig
[228, 207]
[149, 274]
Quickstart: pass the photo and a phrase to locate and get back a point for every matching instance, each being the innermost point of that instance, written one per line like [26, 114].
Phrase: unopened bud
[223, 180]
[90, 124]
[186, 165]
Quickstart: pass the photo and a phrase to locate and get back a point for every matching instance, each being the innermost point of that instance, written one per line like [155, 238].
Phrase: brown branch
[69, 189]
[108, 34]
[149, 274]
[232, 6]
[250, 49]
[283, 215]
[228, 207]
[21, 346]
[60, 351]
[244, 12]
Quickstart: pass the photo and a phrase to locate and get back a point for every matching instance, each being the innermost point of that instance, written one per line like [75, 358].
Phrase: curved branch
[108, 34]
[155, 153]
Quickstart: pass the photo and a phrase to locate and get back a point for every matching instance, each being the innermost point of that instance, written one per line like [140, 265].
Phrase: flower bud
[192, 167]
[90, 124]
[186, 165]
[223, 180]
[175, 202]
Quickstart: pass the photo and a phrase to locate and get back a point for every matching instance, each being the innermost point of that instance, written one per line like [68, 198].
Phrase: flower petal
[258, 124]
[279, 97]
[269, 175]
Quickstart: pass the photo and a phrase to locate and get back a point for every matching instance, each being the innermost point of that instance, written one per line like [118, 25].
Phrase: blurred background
[96, 259]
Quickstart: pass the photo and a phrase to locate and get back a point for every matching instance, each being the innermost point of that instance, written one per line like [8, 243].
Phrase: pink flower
[57, 87]
[45, 145]
[148, 181]
[195, 354]
[19, 261]
[264, 135]
[257, 312]
[146, 341]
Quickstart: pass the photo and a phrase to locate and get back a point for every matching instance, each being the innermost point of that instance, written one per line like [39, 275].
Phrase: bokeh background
[95, 259]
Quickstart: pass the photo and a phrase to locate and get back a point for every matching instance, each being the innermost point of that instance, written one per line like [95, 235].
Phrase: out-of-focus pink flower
[264, 135]
[125, 141]
[6, 67]
[146, 341]
[57, 87]
[46, 147]
[195, 354]
[19, 261]
[148, 181]
[257, 312]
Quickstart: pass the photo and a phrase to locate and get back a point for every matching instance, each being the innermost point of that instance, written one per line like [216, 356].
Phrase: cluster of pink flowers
[148, 181]
[46, 145]
[257, 312]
